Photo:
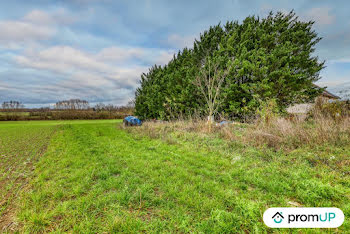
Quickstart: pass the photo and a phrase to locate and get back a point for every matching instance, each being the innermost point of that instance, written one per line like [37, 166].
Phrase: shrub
[267, 112]
[332, 109]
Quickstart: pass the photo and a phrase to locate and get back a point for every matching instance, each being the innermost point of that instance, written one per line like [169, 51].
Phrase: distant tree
[103, 107]
[72, 104]
[44, 109]
[99, 107]
[110, 108]
[130, 104]
[12, 105]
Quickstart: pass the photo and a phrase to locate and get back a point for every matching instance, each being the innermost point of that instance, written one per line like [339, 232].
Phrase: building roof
[327, 94]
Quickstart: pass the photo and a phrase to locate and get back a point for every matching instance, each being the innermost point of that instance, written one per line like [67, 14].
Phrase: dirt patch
[7, 221]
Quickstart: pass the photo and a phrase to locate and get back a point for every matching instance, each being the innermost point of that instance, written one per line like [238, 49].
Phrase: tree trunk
[210, 122]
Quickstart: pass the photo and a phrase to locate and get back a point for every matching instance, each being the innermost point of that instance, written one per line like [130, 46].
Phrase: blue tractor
[132, 121]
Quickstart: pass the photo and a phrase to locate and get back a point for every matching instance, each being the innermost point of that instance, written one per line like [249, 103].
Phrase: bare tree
[110, 108]
[131, 104]
[72, 104]
[210, 81]
[99, 107]
[12, 105]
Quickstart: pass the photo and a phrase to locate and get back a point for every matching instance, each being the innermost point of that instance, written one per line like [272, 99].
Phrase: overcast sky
[97, 49]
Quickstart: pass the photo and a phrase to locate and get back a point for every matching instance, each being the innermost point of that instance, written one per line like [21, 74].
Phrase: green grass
[22, 113]
[96, 177]
[20, 147]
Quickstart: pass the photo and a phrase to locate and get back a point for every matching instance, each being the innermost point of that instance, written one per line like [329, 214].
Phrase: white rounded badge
[286, 217]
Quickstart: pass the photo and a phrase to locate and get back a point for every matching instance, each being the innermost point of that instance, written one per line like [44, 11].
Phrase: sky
[96, 50]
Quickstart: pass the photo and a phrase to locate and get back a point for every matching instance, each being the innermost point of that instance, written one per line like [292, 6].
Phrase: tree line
[10, 105]
[66, 109]
[233, 69]
[72, 104]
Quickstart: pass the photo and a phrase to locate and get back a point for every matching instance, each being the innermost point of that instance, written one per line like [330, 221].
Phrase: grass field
[20, 148]
[14, 113]
[96, 177]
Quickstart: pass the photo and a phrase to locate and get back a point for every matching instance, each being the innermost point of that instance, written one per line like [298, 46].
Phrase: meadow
[95, 176]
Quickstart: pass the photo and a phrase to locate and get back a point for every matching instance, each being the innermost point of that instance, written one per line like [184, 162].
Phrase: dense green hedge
[269, 58]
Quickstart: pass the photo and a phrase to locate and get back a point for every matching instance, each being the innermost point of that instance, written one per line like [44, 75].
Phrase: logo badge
[278, 217]
[285, 217]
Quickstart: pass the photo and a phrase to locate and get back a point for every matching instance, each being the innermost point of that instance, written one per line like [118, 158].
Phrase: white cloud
[164, 57]
[82, 75]
[13, 32]
[111, 73]
[123, 55]
[120, 54]
[179, 41]
[86, 68]
[34, 27]
[63, 59]
[66, 59]
[331, 83]
[321, 15]
[94, 76]
[39, 17]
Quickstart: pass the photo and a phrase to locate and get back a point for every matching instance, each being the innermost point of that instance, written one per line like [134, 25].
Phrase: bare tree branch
[210, 82]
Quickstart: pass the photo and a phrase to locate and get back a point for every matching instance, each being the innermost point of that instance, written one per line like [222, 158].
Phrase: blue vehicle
[132, 121]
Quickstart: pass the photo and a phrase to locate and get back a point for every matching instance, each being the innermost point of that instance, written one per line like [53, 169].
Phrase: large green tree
[269, 58]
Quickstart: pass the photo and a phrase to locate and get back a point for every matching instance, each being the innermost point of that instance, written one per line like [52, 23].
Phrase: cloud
[67, 60]
[164, 56]
[58, 17]
[334, 83]
[123, 55]
[321, 15]
[87, 68]
[179, 42]
[102, 76]
[34, 27]
[15, 32]
[119, 54]
[63, 59]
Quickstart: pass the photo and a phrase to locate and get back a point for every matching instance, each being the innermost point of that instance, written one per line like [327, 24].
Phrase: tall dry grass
[294, 133]
[268, 130]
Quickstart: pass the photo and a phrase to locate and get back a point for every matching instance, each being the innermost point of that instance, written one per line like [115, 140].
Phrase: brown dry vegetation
[291, 134]
[322, 127]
